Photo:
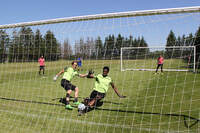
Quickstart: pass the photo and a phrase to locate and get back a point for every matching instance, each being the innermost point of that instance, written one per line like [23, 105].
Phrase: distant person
[160, 62]
[189, 59]
[69, 74]
[41, 61]
[79, 61]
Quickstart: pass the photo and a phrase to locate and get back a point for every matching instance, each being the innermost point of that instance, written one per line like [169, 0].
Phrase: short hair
[74, 62]
[106, 67]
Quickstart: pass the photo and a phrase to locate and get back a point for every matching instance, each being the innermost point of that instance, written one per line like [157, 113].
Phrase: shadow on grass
[28, 101]
[185, 117]
[62, 100]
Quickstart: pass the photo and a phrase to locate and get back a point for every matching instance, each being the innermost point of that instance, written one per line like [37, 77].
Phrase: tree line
[26, 45]
[186, 53]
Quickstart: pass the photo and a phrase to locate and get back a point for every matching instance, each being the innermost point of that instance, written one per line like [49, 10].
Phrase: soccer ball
[81, 107]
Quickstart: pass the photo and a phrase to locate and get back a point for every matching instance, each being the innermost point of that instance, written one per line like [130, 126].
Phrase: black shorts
[67, 85]
[97, 95]
[41, 67]
[160, 65]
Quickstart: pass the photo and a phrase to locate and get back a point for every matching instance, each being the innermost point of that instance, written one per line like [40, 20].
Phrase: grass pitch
[155, 103]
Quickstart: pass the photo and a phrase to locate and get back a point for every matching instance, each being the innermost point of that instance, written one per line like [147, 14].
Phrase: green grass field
[155, 103]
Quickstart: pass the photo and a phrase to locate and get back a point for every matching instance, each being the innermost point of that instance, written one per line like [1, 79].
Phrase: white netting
[181, 58]
[168, 102]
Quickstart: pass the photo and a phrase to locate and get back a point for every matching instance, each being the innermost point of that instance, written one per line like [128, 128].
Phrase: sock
[75, 99]
[67, 97]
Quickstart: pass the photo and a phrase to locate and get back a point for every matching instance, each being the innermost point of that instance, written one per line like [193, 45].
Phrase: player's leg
[68, 96]
[157, 68]
[43, 70]
[67, 86]
[95, 98]
[39, 69]
[76, 95]
[68, 106]
[92, 98]
[161, 66]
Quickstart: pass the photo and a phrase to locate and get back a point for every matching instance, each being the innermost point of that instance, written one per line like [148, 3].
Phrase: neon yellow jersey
[70, 73]
[102, 83]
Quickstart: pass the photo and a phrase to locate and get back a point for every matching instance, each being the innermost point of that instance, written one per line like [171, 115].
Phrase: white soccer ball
[81, 107]
[55, 78]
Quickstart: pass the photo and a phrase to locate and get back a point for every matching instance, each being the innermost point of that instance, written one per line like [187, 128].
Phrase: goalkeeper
[160, 61]
[102, 82]
[69, 74]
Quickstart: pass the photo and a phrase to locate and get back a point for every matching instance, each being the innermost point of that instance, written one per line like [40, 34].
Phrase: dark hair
[106, 67]
[74, 62]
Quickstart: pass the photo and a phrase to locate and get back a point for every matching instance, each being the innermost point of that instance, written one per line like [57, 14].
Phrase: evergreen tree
[67, 49]
[171, 41]
[39, 45]
[13, 47]
[197, 44]
[52, 47]
[99, 47]
[4, 41]
[109, 45]
[119, 43]
[25, 44]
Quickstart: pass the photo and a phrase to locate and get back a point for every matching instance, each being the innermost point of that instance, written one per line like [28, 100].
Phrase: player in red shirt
[160, 63]
[41, 61]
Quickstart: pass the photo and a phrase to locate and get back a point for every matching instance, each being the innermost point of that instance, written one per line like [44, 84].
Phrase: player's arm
[61, 72]
[90, 74]
[116, 91]
[86, 75]
[83, 75]
[58, 74]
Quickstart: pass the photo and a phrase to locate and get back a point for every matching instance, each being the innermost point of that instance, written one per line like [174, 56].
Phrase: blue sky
[16, 11]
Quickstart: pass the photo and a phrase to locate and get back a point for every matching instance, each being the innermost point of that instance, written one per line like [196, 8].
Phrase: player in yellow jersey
[102, 83]
[69, 74]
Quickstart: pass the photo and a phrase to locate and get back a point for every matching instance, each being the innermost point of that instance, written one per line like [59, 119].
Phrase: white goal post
[145, 58]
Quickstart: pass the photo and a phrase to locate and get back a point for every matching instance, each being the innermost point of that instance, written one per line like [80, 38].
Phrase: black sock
[75, 99]
[67, 102]
[67, 97]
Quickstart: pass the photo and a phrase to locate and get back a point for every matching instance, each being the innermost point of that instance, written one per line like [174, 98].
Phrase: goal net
[176, 58]
[32, 53]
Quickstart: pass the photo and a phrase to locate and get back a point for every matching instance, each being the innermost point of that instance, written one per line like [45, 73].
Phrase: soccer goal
[32, 53]
[176, 58]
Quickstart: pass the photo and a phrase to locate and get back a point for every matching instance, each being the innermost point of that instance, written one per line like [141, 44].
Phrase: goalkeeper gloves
[55, 78]
[90, 73]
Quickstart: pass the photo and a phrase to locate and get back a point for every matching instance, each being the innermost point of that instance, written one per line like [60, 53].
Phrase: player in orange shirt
[41, 61]
[160, 63]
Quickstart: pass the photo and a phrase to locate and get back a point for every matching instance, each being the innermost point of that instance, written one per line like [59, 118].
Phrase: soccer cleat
[68, 107]
[76, 103]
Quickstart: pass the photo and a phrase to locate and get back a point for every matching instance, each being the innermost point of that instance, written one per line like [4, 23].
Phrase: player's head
[105, 71]
[74, 64]
[42, 57]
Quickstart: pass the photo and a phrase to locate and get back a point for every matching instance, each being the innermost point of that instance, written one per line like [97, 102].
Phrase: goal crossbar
[106, 16]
